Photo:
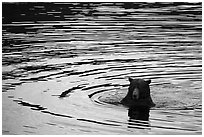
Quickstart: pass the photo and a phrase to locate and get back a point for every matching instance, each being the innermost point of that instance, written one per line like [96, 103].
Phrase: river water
[64, 64]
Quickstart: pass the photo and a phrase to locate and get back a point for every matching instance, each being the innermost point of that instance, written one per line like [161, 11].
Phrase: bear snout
[135, 94]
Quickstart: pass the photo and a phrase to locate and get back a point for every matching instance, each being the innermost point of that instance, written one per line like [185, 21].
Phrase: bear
[138, 95]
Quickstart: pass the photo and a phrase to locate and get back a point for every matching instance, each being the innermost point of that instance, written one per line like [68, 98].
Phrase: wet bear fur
[138, 94]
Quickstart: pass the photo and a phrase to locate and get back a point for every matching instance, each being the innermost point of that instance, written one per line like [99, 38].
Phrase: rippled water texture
[65, 67]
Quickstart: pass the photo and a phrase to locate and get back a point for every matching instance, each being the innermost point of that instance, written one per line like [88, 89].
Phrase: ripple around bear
[138, 94]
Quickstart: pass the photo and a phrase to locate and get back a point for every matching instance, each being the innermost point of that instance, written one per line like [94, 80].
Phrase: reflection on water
[138, 117]
[65, 67]
[137, 124]
[139, 113]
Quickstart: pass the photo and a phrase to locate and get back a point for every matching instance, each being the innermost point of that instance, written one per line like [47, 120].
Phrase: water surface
[64, 65]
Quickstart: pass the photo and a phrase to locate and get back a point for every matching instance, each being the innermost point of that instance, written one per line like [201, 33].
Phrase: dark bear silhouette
[138, 94]
[138, 100]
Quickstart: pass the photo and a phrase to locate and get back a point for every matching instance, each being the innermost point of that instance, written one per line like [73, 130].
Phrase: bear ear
[148, 81]
[130, 79]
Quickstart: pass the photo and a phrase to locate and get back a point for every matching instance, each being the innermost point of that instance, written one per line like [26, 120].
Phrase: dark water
[59, 60]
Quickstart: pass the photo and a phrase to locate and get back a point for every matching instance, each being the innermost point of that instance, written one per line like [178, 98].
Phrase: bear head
[138, 94]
